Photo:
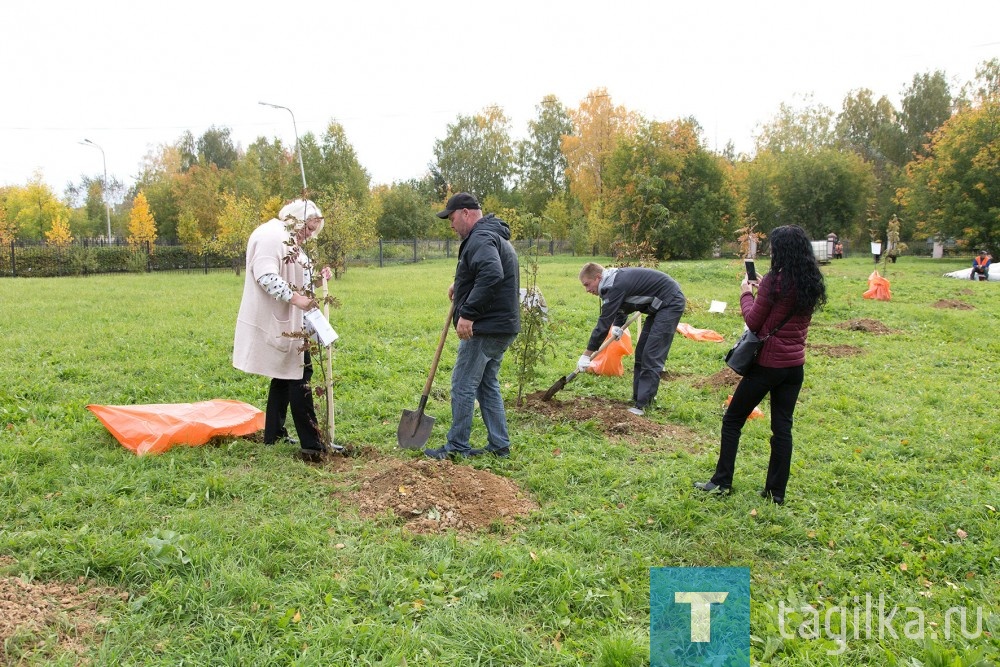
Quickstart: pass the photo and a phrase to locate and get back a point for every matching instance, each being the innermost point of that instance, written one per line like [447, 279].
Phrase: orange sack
[878, 288]
[707, 335]
[153, 429]
[756, 413]
[609, 362]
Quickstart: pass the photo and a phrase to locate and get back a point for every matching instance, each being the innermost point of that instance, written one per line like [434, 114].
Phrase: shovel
[566, 379]
[414, 426]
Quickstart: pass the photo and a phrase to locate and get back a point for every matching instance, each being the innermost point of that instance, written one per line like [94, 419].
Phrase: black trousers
[784, 385]
[652, 349]
[296, 394]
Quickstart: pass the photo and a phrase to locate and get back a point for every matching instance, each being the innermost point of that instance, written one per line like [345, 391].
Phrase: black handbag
[743, 355]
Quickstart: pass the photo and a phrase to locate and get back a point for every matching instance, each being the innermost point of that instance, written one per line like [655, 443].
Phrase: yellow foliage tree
[31, 209]
[141, 225]
[600, 231]
[557, 217]
[350, 227]
[492, 204]
[271, 207]
[189, 233]
[8, 228]
[238, 219]
[598, 125]
[59, 235]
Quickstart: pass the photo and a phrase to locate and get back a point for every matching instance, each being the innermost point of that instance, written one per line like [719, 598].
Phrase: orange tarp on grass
[153, 429]
[707, 335]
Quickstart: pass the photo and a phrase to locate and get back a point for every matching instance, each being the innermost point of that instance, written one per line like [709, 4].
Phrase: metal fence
[415, 250]
[90, 257]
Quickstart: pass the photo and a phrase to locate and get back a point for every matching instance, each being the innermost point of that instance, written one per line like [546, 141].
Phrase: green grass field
[237, 554]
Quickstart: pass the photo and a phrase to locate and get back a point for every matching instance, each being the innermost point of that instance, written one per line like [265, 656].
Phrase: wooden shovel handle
[437, 353]
[608, 339]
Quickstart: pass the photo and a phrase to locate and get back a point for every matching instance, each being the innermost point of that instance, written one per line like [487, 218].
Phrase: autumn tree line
[598, 176]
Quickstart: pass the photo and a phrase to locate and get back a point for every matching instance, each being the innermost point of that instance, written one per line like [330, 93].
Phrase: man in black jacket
[486, 293]
[624, 291]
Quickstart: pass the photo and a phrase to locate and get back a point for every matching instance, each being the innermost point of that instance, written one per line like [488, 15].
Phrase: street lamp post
[104, 188]
[298, 148]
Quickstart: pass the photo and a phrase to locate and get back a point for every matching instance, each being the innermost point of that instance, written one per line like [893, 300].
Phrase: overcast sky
[131, 76]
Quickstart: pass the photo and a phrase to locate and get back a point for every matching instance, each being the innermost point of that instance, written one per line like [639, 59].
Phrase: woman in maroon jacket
[791, 290]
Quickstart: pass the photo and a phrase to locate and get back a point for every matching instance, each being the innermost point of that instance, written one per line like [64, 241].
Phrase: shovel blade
[414, 429]
[560, 383]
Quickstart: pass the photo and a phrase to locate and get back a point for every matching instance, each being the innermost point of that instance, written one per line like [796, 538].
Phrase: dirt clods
[727, 377]
[612, 417]
[615, 421]
[48, 619]
[835, 351]
[953, 303]
[866, 325]
[433, 496]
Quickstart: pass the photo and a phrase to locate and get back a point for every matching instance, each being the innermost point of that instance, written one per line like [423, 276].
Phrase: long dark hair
[794, 267]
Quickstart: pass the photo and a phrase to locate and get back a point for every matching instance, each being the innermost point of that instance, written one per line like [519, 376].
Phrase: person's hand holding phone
[750, 281]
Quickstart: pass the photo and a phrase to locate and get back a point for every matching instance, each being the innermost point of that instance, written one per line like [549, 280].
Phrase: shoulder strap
[775, 329]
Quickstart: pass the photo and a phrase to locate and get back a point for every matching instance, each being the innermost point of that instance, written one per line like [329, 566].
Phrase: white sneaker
[636, 411]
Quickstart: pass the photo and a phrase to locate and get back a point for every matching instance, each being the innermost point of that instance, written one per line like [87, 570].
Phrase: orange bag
[878, 288]
[153, 429]
[609, 362]
[756, 413]
[689, 331]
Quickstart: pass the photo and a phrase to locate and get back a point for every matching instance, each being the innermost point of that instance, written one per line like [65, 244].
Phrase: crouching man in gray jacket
[624, 291]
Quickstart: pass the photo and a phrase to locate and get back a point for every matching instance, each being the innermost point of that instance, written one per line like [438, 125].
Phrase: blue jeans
[476, 376]
[784, 385]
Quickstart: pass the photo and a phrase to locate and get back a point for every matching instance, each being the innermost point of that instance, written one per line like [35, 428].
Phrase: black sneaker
[283, 435]
[499, 453]
[713, 488]
[769, 495]
[310, 455]
[442, 453]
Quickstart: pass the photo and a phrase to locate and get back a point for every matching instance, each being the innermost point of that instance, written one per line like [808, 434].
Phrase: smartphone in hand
[751, 271]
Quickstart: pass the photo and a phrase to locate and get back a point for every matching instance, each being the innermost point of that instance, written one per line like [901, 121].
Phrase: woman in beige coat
[275, 297]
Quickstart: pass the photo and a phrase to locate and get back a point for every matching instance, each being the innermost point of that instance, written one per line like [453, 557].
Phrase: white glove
[583, 364]
[616, 333]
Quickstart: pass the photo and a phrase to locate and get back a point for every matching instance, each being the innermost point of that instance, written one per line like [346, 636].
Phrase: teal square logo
[699, 616]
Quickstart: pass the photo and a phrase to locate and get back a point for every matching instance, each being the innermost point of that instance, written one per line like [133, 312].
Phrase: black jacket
[627, 290]
[488, 279]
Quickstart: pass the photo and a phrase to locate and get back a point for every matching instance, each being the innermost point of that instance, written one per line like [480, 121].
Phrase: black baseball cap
[458, 202]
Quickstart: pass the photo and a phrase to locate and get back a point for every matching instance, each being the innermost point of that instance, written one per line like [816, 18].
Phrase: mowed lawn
[237, 554]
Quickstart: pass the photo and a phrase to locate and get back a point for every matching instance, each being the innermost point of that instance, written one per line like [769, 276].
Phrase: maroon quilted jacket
[786, 348]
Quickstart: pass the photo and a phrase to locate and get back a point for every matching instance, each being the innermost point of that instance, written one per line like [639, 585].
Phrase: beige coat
[259, 346]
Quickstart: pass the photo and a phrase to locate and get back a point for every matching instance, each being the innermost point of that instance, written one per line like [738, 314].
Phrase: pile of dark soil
[835, 351]
[866, 325]
[723, 378]
[953, 303]
[612, 417]
[430, 496]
